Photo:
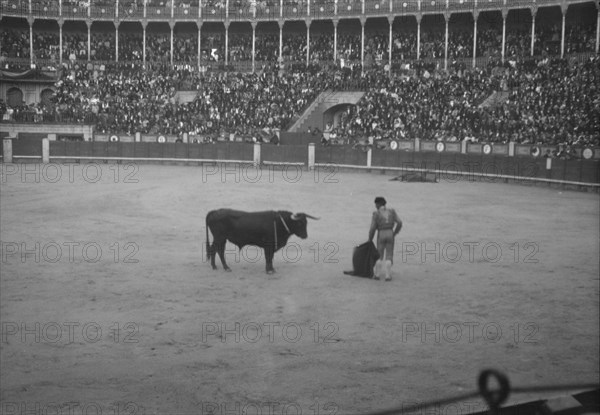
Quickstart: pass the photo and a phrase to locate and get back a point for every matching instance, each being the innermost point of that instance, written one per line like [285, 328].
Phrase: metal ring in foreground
[494, 398]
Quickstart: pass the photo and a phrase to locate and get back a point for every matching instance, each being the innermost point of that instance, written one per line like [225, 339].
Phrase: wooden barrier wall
[120, 150]
[443, 164]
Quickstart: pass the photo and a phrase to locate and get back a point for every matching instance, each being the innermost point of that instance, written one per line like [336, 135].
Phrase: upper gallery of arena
[246, 34]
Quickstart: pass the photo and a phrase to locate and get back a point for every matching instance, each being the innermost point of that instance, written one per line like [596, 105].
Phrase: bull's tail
[208, 248]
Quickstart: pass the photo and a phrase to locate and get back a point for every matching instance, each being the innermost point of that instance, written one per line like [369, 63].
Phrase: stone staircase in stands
[495, 99]
[183, 97]
[301, 123]
[313, 114]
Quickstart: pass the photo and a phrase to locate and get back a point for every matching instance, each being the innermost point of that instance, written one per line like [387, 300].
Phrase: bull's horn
[297, 216]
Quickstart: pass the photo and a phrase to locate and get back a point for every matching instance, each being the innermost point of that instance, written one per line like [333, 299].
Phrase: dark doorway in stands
[14, 97]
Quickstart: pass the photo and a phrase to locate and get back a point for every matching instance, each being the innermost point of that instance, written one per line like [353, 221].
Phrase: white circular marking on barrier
[161, 139]
[587, 153]
[440, 147]
[114, 138]
[405, 5]
[487, 149]
[535, 151]
[394, 145]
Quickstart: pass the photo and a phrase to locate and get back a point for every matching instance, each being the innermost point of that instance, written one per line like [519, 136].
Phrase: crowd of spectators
[293, 47]
[404, 45]
[580, 38]
[321, 47]
[518, 43]
[349, 47]
[489, 42]
[426, 106]
[15, 44]
[267, 47]
[131, 46]
[46, 46]
[549, 100]
[130, 99]
[553, 102]
[376, 46]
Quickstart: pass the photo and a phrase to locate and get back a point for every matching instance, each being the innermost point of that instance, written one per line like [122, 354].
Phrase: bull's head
[298, 224]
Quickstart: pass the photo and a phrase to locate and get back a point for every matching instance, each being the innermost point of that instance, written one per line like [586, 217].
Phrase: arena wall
[426, 165]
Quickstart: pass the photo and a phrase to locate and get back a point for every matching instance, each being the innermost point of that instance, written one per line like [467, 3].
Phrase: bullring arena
[119, 308]
[123, 123]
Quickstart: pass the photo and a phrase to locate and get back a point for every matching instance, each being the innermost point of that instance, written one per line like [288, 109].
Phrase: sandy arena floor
[108, 305]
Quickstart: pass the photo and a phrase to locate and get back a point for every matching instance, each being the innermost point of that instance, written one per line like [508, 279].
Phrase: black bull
[269, 230]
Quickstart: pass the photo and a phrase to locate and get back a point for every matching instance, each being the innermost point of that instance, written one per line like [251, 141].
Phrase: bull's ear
[296, 216]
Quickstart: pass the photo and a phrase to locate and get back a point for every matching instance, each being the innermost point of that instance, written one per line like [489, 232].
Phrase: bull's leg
[269, 253]
[219, 247]
[211, 255]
